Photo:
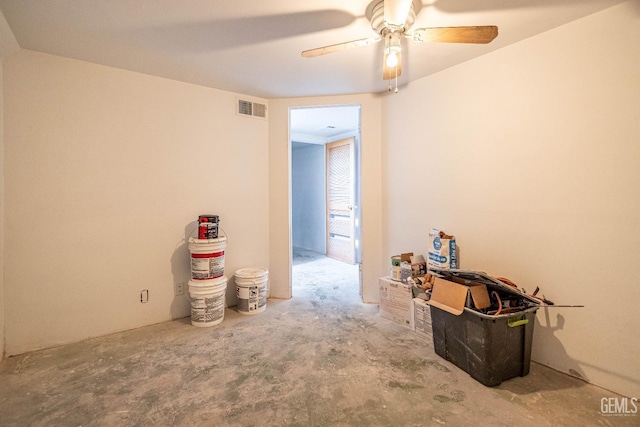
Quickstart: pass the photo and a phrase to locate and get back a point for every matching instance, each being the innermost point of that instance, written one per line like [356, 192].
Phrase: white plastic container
[251, 290]
[207, 301]
[207, 257]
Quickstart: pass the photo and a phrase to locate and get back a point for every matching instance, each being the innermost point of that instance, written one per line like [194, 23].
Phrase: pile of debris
[481, 323]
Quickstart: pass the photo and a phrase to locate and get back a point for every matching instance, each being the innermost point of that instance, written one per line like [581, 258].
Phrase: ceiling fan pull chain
[396, 79]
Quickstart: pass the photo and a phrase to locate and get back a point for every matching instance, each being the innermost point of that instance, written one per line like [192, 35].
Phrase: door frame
[357, 135]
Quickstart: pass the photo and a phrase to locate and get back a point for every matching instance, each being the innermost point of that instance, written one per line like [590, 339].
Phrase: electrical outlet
[179, 288]
[144, 296]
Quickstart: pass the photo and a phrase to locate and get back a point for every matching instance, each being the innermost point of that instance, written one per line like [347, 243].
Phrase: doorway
[325, 196]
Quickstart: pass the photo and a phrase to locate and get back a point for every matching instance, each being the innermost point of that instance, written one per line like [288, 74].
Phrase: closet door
[340, 200]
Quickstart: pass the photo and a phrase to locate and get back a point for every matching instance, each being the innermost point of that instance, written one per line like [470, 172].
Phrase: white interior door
[340, 200]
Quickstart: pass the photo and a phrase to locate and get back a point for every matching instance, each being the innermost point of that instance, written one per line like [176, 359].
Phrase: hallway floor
[321, 358]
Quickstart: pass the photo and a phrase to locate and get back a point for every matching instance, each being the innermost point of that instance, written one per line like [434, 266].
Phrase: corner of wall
[1, 216]
[8, 42]
[8, 45]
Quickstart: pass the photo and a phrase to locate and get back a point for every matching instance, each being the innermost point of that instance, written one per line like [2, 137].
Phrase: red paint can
[208, 227]
[208, 218]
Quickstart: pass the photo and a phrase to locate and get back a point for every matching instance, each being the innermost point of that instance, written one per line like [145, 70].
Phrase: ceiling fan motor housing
[375, 14]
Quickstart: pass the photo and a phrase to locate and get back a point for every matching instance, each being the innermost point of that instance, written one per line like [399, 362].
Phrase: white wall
[2, 205]
[280, 184]
[105, 173]
[531, 157]
[308, 197]
[8, 45]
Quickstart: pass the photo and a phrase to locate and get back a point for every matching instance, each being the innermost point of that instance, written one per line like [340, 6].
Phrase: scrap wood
[542, 298]
[506, 282]
[534, 295]
[495, 294]
[427, 281]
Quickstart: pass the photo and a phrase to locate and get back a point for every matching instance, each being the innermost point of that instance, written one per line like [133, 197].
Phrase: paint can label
[207, 309]
[396, 273]
[207, 231]
[216, 265]
[247, 298]
[251, 298]
[208, 218]
[207, 266]
[262, 299]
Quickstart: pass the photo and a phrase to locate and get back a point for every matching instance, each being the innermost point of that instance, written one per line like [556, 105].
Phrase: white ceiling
[253, 46]
[321, 125]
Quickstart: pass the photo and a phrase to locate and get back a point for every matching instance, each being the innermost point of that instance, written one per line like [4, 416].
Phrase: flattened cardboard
[480, 295]
[451, 297]
[448, 296]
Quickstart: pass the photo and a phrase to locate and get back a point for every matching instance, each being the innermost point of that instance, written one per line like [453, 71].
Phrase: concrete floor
[321, 358]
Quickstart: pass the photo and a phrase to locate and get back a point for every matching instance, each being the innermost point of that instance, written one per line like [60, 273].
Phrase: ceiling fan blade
[312, 53]
[396, 11]
[480, 35]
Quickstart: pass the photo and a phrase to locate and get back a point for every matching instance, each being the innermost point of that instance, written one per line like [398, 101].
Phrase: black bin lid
[480, 277]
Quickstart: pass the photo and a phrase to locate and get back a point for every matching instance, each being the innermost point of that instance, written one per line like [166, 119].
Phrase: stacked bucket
[208, 284]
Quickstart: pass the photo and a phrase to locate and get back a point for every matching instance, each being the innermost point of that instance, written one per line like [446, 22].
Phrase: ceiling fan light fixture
[392, 60]
[392, 46]
[392, 54]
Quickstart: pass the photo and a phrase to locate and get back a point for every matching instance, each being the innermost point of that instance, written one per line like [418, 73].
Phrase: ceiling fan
[392, 20]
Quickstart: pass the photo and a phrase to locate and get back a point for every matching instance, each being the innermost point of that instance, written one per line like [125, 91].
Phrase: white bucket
[251, 289]
[207, 301]
[207, 257]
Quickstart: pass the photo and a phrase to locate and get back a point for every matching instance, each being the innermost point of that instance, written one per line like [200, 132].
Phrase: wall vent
[253, 109]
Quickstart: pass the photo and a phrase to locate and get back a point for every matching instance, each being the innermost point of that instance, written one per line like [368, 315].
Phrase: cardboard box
[396, 301]
[453, 297]
[422, 318]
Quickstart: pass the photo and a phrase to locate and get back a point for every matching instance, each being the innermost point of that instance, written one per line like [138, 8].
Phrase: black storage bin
[489, 348]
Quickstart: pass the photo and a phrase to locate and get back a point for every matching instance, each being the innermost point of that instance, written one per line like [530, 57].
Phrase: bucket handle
[513, 323]
[192, 233]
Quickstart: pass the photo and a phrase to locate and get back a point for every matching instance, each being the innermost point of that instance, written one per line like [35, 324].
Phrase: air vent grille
[245, 107]
[253, 109]
[259, 110]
